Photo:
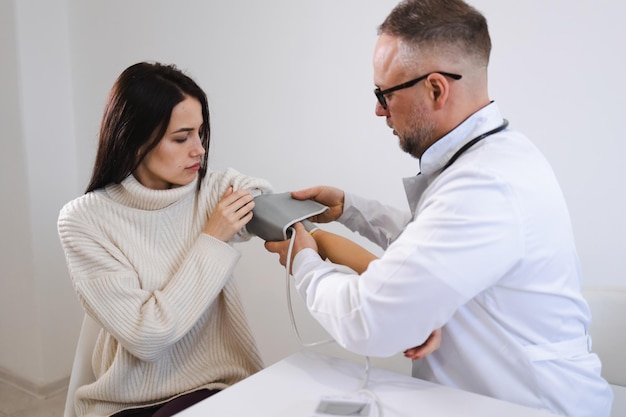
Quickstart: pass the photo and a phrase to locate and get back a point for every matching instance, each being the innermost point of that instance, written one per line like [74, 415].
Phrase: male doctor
[487, 252]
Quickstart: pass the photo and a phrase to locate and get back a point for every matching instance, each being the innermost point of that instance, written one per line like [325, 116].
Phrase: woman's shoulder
[219, 181]
[83, 205]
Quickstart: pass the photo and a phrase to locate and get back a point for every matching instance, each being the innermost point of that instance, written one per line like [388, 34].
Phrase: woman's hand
[233, 212]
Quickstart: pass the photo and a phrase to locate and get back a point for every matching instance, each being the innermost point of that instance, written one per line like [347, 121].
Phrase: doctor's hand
[303, 240]
[329, 196]
[429, 346]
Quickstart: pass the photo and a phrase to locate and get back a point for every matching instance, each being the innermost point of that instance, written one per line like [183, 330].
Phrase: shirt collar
[438, 154]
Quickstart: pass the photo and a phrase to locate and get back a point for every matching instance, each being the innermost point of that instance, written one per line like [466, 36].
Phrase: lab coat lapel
[414, 188]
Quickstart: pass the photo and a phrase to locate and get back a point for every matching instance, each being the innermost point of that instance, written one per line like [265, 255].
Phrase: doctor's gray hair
[440, 27]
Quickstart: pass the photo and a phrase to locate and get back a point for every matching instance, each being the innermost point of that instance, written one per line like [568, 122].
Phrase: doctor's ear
[439, 89]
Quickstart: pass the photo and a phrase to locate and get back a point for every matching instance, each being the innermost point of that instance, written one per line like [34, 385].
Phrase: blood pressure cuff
[274, 214]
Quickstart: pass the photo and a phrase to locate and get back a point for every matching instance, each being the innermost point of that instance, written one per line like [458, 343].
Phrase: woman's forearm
[341, 250]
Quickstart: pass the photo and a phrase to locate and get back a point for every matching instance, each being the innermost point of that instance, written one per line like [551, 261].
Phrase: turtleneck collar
[132, 193]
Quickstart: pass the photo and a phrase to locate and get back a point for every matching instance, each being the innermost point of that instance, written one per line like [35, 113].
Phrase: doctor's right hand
[303, 241]
[331, 197]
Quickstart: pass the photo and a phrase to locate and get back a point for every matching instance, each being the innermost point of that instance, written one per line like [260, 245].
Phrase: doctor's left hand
[429, 346]
[303, 240]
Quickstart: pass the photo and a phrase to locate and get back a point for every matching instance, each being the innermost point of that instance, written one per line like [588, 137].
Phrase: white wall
[290, 90]
[39, 312]
[15, 243]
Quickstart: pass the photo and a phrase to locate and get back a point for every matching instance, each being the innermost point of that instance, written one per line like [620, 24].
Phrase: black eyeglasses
[380, 94]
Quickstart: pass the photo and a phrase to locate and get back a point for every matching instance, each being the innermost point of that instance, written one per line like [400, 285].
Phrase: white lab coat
[486, 253]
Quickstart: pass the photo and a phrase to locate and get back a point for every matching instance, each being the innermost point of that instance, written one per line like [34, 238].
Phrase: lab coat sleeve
[379, 223]
[436, 265]
[361, 318]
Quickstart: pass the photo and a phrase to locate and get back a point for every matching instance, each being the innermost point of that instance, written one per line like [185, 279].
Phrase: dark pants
[169, 408]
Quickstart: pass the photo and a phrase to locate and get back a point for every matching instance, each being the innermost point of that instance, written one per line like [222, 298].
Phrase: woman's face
[176, 159]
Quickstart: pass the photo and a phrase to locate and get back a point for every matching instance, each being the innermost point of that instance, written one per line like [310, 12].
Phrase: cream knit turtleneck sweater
[161, 290]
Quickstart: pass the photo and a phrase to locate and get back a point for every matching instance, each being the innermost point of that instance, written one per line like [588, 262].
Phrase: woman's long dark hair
[136, 117]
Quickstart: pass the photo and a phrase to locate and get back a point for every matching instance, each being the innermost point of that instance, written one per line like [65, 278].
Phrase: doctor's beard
[419, 133]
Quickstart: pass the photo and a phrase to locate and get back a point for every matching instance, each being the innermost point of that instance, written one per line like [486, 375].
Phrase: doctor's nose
[380, 110]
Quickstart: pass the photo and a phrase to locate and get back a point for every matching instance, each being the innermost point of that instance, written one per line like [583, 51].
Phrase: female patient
[147, 247]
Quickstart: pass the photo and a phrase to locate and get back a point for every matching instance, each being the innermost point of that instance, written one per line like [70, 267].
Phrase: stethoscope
[472, 142]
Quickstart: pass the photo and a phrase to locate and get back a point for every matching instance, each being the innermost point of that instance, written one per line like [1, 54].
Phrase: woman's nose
[198, 147]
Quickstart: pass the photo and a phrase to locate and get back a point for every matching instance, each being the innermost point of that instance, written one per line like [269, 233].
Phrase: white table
[294, 386]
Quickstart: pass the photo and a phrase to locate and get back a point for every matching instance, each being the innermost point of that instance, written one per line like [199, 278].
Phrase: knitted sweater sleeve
[238, 181]
[116, 291]
[146, 288]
